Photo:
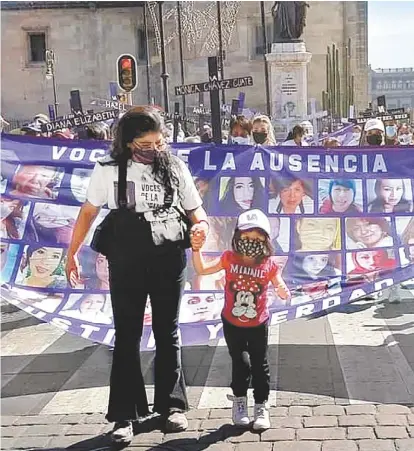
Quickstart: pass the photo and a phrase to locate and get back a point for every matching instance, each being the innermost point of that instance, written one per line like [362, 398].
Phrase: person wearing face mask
[374, 132]
[356, 137]
[296, 138]
[262, 131]
[240, 130]
[405, 135]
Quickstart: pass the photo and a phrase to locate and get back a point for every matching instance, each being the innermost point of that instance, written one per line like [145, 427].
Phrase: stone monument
[288, 61]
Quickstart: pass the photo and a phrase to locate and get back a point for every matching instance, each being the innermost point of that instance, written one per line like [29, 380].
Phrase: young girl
[249, 270]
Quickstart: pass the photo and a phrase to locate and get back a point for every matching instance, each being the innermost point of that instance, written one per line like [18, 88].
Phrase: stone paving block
[339, 445]
[72, 418]
[28, 420]
[410, 419]
[193, 425]
[391, 420]
[8, 420]
[66, 441]
[286, 422]
[376, 445]
[356, 433]
[247, 436]
[149, 438]
[412, 409]
[297, 446]
[321, 434]
[29, 442]
[361, 409]
[13, 431]
[7, 443]
[357, 420]
[252, 447]
[94, 418]
[385, 432]
[320, 422]
[274, 435]
[393, 409]
[47, 430]
[86, 429]
[222, 447]
[198, 414]
[411, 431]
[220, 413]
[278, 411]
[406, 444]
[300, 411]
[328, 410]
[213, 424]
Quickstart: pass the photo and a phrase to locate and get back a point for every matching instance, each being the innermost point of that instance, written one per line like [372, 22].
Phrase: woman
[390, 197]
[317, 234]
[11, 216]
[89, 307]
[368, 265]
[146, 256]
[296, 138]
[341, 197]
[262, 131]
[368, 232]
[240, 130]
[43, 267]
[242, 193]
[293, 196]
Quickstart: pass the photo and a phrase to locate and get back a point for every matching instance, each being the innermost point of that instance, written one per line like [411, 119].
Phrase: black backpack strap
[122, 185]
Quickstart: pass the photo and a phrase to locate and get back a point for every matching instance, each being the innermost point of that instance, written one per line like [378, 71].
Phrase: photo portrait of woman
[317, 234]
[95, 274]
[339, 196]
[94, 308]
[290, 196]
[367, 266]
[8, 254]
[241, 193]
[368, 232]
[198, 307]
[221, 233]
[42, 267]
[13, 215]
[79, 183]
[390, 196]
[37, 181]
[52, 223]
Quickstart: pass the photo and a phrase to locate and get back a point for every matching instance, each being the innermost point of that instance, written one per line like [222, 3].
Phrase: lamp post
[50, 74]
[180, 42]
[221, 55]
[147, 56]
[164, 74]
[266, 67]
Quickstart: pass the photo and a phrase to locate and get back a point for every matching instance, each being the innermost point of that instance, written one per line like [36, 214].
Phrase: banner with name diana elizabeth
[342, 227]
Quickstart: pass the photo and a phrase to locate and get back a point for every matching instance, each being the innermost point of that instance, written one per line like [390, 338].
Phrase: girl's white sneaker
[240, 412]
[261, 417]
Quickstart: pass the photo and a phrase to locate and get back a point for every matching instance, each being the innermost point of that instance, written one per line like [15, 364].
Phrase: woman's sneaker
[240, 412]
[261, 417]
[122, 432]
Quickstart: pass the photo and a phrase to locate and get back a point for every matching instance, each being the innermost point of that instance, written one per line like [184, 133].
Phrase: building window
[379, 86]
[142, 47]
[258, 40]
[37, 47]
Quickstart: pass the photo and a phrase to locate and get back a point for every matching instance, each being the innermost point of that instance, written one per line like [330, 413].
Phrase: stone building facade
[87, 38]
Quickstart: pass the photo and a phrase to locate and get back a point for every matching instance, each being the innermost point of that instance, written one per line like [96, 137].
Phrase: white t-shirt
[142, 190]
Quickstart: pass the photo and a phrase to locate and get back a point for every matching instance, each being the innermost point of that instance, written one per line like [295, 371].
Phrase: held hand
[73, 271]
[283, 292]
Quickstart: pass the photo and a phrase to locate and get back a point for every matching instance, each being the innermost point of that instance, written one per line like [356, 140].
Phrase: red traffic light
[127, 72]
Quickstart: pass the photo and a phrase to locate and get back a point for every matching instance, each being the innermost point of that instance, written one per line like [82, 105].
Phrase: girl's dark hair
[229, 205]
[298, 130]
[243, 122]
[377, 205]
[134, 124]
[268, 244]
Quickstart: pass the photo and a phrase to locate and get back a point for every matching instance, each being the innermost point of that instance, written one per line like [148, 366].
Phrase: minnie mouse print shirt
[246, 298]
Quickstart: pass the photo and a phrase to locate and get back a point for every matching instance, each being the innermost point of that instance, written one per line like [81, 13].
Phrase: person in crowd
[368, 265]
[240, 130]
[249, 270]
[330, 143]
[89, 307]
[242, 193]
[368, 232]
[341, 197]
[390, 197]
[198, 307]
[262, 131]
[317, 234]
[31, 129]
[97, 131]
[290, 196]
[391, 133]
[296, 137]
[43, 267]
[356, 136]
[374, 132]
[11, 217]
[65, 133]
[145, 258]
[3, 123]
[405, 135]
[35, 181]
[203, 185]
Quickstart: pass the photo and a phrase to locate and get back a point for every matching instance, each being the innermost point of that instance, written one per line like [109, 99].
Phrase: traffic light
[127, 72]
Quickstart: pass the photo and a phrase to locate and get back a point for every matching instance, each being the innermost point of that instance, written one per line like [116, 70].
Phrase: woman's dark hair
[134, 124]
[298, 130]
[229, 205]
[268, 244]
[377, 205]
[242, 122]
[281, 183]
[289, 137]
[295, 275]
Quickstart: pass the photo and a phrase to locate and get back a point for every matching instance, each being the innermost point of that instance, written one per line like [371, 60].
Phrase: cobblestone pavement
[340, 382]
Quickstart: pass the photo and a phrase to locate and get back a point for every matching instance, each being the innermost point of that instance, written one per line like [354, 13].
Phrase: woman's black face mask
[259, 137]
[374, 140]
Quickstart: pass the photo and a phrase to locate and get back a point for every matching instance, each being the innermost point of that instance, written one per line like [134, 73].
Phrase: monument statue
[289, 20]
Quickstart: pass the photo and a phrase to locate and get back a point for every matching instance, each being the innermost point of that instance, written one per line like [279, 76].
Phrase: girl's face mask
[250, 248]
[240, 140]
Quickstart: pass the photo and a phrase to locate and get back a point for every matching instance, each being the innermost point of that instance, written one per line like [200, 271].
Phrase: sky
[391, 34]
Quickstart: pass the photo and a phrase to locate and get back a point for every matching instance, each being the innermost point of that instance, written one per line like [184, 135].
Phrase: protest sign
[337, 232]
[79, 120]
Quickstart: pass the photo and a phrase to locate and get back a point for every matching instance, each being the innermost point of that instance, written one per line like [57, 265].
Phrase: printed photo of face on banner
[13, 217]
[362, 233]
[7, 171]
[211, 282]
[8, 254]
[95, 271]
[290, 196]
[390, 196]
[79, 183]
[317, 234]
[206, 189]
[312, 276]
[221, 234]
[238, 194]
[367, 266]
[42, 267]
[92, 307]
[40, 182]
[405, 231]
[280, 234]
[52, 223]
[340, 196]
[47, 302]
[199, 307]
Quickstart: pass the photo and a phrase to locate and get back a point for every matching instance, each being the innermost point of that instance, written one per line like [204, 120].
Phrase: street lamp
[50, 74]
[164, 74]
